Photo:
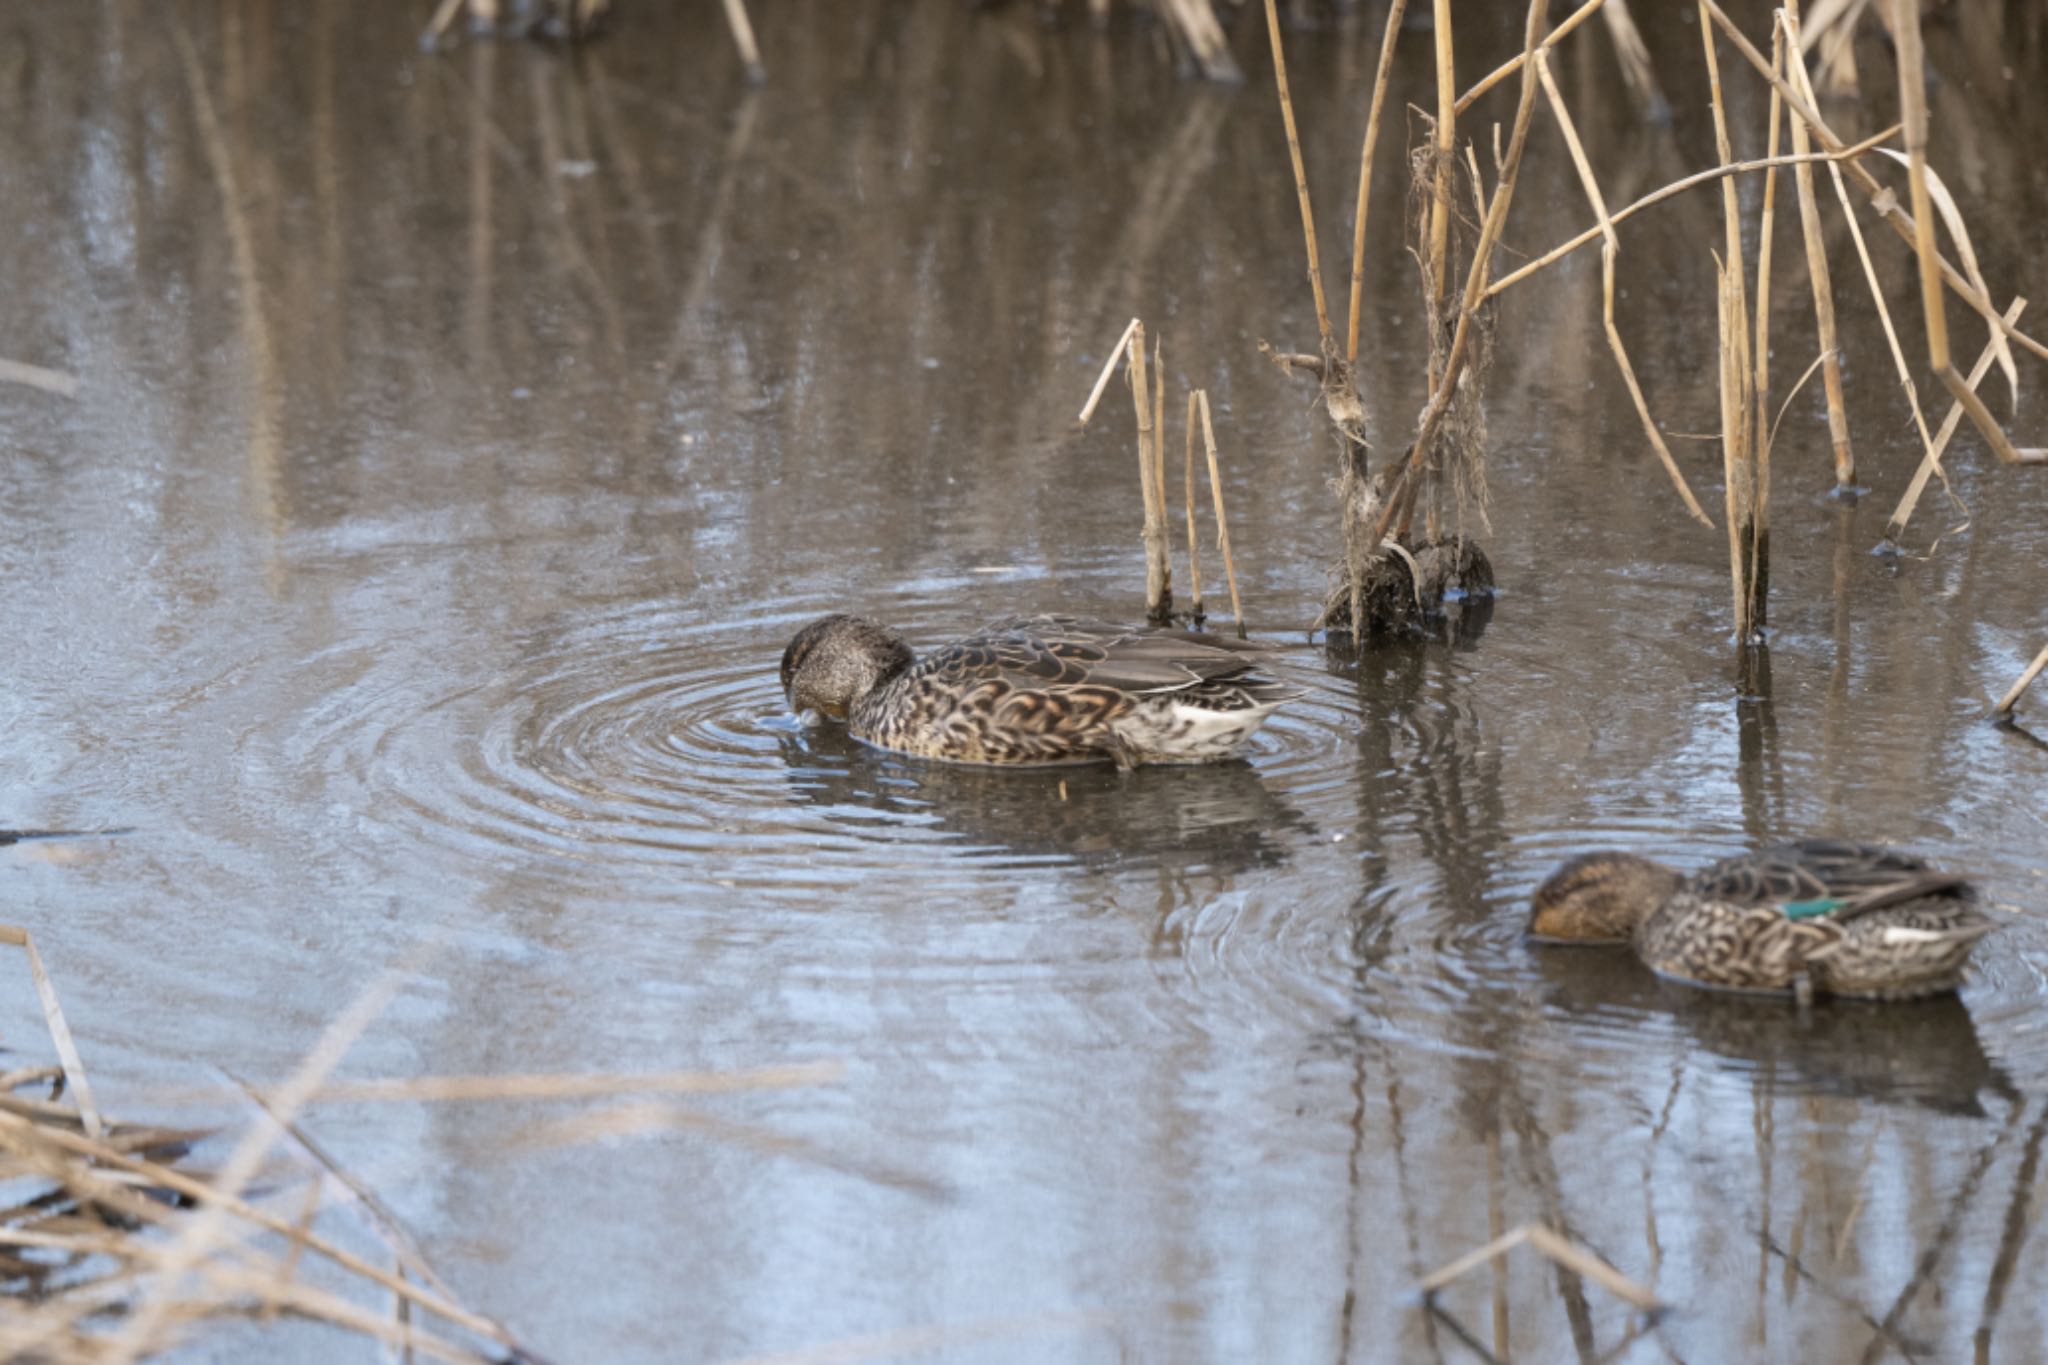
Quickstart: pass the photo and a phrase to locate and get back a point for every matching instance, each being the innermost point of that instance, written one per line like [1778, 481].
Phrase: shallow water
[462, 437]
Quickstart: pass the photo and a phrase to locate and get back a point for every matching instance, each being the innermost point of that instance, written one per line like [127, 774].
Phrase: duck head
[834, 662]
[1599, 898]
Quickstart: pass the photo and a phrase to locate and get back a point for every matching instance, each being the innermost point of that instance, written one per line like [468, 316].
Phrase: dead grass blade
[1675, 188]
[36, 377]
[1222, 521]
[1308, 217]
[1608, 250]
[60, 1032]
[1395, 11]
[1930, 463]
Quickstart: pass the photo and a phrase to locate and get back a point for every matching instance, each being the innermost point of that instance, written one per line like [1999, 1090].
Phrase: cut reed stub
[1434, 587]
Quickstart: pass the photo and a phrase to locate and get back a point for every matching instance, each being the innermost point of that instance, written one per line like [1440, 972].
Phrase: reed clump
[117, 1243]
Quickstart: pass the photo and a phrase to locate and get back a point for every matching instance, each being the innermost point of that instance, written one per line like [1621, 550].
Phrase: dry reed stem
[1913, 113]
[1887, 206]
[1395, 11]
[1738, 450]
[58, 382]
[1116, 353]
[1817, 270]
[1559, 1250]
[1608, 250]
[1959, 233]
[1308, 218]
[437, 27]
[199, 1236]
[1196, 20]
[1159, 449]
[60, 1031]
[1475, 281]
[2012, 695]
[1675, 188]
[743, 38]
[1222, 521]
[1438, 277]
[1930, 463]
[1884, 314]
[1761, 427]
[1514, 63]
[1187, 483]
[1158, 586]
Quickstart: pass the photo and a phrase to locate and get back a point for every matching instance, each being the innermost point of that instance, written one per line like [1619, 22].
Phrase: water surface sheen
[462, 438]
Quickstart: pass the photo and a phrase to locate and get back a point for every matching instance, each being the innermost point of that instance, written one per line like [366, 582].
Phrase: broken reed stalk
[1885, 204]
[60, 1031]
[743, 38]
[1308, 218]
[2011, 699]
[1187, 483]
[1222, 521]
[1930, 463]
[1116, 353]
[1746, 551]
[1677, 187]
[1817, 271]
[1158, 574]
[1609, 249]
[1475, 280]
[1395, 12]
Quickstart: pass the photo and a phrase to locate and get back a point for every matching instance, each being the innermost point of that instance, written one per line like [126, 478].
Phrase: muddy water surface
[462, 437]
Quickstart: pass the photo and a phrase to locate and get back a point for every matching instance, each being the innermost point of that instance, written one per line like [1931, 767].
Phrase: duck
[1815, 916]
[1036, 690]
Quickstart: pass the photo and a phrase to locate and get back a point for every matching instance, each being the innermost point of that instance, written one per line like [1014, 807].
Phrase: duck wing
[1812, 878]
[1059, 652]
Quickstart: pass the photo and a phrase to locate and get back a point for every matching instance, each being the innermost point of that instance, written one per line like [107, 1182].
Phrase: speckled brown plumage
[1036, 690]
[1819, 915]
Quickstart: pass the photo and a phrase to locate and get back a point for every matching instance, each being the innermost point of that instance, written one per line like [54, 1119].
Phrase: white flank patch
[1899, 934]
[1171, 732]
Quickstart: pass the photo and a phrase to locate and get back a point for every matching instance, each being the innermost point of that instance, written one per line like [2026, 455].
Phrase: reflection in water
[1218, 818]
[1925, 1052]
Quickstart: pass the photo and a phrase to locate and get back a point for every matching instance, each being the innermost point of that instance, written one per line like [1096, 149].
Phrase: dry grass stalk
[1609, 249]
[1887, 207]
[1308, 218]
[64, 385]
[743, 38]
[2013, 693]
[1475, 283]
[60, 1031]
[1761, 426]
[1817, 267]
[1558, 1249]
[1748, 553]
[1514, 63]
[1187, 483]
[1436, 276]
[1158, 573]
[1930, 463]
[1395, 11]
[1222, 521]
[1675, 188]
